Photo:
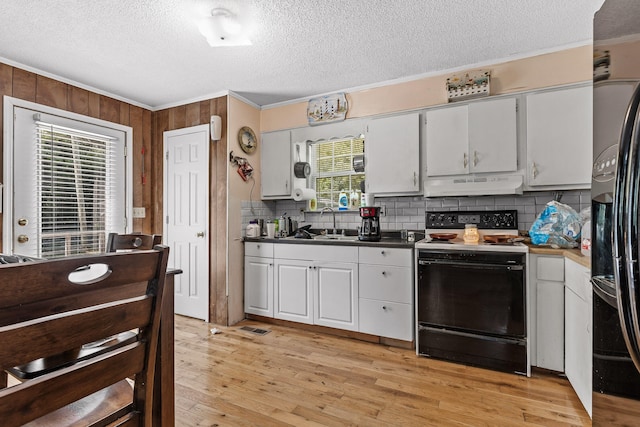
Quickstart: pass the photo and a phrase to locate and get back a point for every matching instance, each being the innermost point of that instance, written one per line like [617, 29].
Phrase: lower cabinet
[547, 281]
[293, 291]
[363, 289]
[386, 292]
[258, 279]
[578, 327]
[317, 285]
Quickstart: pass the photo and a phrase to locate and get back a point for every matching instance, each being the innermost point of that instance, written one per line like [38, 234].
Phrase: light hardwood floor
[292, 377]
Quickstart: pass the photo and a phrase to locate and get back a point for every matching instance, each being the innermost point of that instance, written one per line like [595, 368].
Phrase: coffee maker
[370, 228]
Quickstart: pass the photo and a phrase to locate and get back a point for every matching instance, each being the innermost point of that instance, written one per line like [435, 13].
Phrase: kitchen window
[333, 171]
[71, 183]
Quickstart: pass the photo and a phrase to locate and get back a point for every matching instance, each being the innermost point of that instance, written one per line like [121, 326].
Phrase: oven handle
[475, 266]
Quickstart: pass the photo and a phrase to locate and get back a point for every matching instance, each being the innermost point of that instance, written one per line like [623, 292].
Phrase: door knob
[23, 238]
[200, 234]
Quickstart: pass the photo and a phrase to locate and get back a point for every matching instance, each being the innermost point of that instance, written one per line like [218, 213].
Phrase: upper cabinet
[275, 165]
[559, 137]
[392, 155]
[477, 137]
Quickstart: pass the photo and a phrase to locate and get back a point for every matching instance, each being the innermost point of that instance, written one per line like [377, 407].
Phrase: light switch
[139, 212]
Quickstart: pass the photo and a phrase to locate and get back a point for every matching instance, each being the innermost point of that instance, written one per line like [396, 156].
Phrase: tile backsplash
[408, 212]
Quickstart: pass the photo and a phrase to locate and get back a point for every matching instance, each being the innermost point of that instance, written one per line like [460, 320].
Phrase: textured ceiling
[151, 53]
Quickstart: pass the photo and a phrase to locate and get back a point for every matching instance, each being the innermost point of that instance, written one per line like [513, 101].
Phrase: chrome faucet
[328, 209]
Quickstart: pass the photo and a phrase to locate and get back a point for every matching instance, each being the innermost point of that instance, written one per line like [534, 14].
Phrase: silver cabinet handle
[475, 158]
[200, 234]
[23, 238]
[465, 161]
[415, 179]
[534, 170]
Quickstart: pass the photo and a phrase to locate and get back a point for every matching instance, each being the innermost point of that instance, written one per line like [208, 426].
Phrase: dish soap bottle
[343, 201]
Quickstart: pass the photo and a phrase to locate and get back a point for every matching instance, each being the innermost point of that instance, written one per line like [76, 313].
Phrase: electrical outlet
[139, 212]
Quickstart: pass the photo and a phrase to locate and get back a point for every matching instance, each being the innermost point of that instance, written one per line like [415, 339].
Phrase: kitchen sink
[335, 237]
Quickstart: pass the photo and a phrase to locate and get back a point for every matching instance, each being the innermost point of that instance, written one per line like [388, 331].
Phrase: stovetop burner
[501, 222]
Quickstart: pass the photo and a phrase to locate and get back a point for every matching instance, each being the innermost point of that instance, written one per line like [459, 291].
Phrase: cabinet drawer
[386, 256]
[386, 319]
[550, 268]
[386, 283]
[259, 249]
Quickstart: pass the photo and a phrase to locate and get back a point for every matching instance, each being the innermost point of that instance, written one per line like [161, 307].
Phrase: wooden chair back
[118, 242]
[54, 307]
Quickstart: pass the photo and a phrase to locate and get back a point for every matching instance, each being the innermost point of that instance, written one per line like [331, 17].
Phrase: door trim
[165, 202]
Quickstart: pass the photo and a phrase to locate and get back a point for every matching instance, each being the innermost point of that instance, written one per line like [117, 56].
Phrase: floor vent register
[256, 331]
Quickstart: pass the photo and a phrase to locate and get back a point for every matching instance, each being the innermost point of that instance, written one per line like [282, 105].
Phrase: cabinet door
[493, 139]
[447, 141]
[550, 325]
[578, 339]
[336, 295]
[559, 136]
[293, 297]
[392, 155]
[258, 286]
[275, 165]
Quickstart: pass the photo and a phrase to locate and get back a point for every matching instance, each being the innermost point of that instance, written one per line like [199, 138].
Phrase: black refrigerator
[615, 214]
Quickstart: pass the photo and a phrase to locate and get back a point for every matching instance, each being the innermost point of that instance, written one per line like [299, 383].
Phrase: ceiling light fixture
[223, 28]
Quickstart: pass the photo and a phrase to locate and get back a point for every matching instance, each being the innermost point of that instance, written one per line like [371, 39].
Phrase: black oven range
[471, 297]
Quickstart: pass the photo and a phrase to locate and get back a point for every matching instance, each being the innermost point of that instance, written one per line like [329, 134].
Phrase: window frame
[350, 173]
[9, 104]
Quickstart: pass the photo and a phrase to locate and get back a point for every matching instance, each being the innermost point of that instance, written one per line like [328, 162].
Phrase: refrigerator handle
[625, 270]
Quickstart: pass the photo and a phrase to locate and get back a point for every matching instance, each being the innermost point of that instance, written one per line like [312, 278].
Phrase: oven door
[477, 292]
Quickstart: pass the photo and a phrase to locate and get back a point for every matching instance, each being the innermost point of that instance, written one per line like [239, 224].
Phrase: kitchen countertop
[396, 242]
[572, 254]
[386, 242]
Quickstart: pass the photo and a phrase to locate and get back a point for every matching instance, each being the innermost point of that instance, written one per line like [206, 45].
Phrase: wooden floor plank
[294, 377]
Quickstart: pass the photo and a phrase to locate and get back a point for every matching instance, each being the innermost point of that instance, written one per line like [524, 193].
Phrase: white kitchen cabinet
[547, 281]
[559, 138]
[386, 292]
[478, 137]
[258, 279]
[392, 155]
[336, 295]
[275, 165]
[317, 284]
[578, 336]
[293, 290]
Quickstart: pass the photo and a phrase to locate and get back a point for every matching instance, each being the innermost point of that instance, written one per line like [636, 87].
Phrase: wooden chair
[123, 242]
[54, 307]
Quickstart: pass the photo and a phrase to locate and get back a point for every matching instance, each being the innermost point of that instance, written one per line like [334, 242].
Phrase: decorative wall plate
[247, 139]
[325, 109]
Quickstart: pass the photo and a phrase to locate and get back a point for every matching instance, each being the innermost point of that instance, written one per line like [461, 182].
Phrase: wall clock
[247, 140]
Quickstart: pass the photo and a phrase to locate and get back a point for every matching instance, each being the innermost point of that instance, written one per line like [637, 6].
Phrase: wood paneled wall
[148, 128]
[33, 87]
[194, 114]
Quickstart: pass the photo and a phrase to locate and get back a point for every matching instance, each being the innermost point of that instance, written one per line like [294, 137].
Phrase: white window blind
[333, 169]
[76, 189]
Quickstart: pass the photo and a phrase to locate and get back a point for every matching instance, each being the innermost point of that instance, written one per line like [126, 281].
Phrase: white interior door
[186, 209]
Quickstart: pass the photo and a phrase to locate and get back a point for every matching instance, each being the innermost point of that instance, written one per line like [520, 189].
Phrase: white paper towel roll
[304, 194]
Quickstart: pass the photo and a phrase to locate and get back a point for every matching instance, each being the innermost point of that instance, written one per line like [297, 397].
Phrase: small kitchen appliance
[370, 228]
[471, 302]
